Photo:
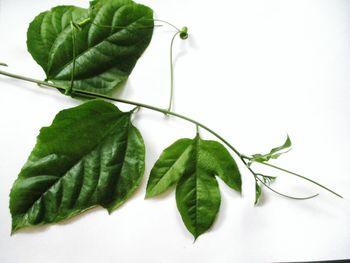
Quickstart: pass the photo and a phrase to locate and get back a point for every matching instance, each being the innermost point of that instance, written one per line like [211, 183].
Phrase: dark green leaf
[169, 167]
[198, 200]
[46, 28]
[112, 35]
[194, 165]
[219, 161]
[90, 155]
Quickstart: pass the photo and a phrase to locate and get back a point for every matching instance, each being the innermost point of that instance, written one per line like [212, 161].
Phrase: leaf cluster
[92, 155]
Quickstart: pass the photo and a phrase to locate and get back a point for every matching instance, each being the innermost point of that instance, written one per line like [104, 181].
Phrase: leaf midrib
[88, 49]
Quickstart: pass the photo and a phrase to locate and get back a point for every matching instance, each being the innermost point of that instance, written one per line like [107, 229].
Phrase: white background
[252, 70]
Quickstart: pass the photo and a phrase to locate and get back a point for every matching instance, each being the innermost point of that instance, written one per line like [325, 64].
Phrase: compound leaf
[90, 155]
[193, 164]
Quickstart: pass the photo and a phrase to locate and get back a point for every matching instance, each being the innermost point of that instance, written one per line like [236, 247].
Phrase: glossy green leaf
[170, 167]
[109, 38]
[193, 165]
[198, 200]
[274, 153]
[90, 155]
[214, 154]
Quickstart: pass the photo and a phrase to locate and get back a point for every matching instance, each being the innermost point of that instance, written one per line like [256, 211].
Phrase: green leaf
[112, 35]
[193, 165]
[45, 29]
[169, 167]
[198, 200]
[258, 193]
[90, 155]
[221, 163]
[273, 154]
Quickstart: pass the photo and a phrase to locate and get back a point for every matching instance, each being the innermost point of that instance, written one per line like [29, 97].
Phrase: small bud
[183, 33]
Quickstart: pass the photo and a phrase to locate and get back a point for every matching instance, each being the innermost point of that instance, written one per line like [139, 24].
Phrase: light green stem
[172, 72]
[89, 94]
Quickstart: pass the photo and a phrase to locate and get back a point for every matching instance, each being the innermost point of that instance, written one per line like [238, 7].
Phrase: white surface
[254, 71]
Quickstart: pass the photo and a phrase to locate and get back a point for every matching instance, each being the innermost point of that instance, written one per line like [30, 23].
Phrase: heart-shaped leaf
[99, 46]
[90, 155]
[193, 164]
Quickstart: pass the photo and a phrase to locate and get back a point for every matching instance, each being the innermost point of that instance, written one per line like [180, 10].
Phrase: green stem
[89, 94]
[142, 105]
[302, 177]
[40, 82]
[170, 24]
[178, 31]
[172, 71]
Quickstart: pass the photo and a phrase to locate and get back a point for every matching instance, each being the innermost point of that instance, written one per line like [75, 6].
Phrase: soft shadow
[192, 43]
[42, 228]
[179, 55]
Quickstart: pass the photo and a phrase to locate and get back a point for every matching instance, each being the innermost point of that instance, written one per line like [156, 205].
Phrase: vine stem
[178, 32]
[168, 23]
[90, 94]
[172, 71]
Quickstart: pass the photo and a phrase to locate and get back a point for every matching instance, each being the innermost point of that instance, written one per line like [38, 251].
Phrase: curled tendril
[284, 195]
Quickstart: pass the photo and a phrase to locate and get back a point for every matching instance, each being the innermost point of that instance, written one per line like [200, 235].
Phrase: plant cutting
[92, 154]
